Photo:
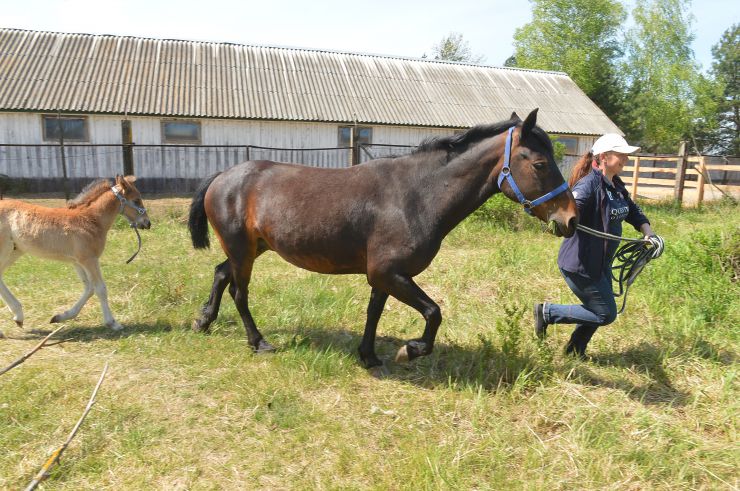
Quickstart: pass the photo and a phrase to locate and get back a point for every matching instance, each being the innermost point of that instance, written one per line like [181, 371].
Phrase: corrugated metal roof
[48, 71]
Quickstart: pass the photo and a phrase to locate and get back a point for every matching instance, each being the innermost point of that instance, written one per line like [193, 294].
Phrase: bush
[501, 211]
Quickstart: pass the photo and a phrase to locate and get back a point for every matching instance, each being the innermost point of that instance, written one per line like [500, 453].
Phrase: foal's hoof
[19, 324]
[264, 347]
[55, 319]
[115, 326]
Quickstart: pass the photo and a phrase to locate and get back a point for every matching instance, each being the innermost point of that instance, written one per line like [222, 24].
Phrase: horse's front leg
[92, 268]
[8, 255]
[86, 294]
[405, 290]
[374, 311]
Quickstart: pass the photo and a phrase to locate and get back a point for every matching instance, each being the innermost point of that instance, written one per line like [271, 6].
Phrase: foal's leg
[92, 268]
[242, 273]
[404, 289]
[374, 311]
[86, 294]
[8, 255]
[221, 278]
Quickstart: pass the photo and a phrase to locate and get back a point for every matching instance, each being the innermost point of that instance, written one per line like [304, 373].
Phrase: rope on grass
[54, 458]
[28, 355]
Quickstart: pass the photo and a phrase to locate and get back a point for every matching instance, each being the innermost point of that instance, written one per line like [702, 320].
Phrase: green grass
[655, 408]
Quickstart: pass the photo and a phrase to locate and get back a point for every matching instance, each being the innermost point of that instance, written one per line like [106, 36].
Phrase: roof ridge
[292, 48]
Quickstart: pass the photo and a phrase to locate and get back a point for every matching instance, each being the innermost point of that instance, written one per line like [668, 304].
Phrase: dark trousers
[598, 309]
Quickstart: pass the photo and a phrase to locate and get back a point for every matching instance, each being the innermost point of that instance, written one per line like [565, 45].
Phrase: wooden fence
[684, 172]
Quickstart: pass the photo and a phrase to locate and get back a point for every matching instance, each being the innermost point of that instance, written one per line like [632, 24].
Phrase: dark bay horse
[385, 219]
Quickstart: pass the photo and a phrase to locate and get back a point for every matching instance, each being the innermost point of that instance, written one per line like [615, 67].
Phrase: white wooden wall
[190, 162]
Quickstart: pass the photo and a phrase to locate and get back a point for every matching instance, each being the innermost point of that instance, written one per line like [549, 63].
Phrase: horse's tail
[198, 221]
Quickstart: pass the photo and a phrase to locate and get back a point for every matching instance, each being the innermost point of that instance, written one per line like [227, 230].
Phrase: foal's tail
[198, 221]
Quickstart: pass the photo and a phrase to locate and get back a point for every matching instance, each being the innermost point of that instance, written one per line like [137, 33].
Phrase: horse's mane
[90, 193]
[462, 141]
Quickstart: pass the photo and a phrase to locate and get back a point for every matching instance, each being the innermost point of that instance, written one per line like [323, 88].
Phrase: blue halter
[506, 174]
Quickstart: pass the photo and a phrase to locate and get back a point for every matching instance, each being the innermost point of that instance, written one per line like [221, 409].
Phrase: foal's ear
[130, 179]
[529, 123]
[119, 178]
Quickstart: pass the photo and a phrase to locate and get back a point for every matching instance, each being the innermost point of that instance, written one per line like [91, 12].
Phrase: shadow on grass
[647, 360]
[492, 368]
[85, 334]
[485, 366]
[452, 366]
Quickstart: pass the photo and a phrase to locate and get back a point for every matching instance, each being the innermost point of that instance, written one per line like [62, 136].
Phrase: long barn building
[191, 108]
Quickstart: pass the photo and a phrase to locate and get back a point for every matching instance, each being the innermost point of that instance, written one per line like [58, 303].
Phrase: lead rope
[632, 257]
[137, 250]
[140, 210]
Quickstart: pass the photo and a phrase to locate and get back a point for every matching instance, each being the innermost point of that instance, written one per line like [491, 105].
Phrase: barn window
[181, 131]
[73, 128]
[364, 135]
[571, 144]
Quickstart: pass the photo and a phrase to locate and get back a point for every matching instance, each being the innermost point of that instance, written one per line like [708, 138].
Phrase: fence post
[126, 147]
[65, 183]
[635, 177]
[354, 153]
[702, 168]
[680, 174]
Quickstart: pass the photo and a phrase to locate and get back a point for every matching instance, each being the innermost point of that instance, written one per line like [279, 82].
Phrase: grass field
[656, 407]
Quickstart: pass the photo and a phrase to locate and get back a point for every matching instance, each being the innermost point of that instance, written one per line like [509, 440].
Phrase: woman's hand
[657, 244]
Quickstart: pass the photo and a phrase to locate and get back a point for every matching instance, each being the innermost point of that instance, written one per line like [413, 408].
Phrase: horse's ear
[529, 123]
[515, 117]
[130, 179]
[119, 178]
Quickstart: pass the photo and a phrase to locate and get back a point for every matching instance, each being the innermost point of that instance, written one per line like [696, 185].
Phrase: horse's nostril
[573, 222]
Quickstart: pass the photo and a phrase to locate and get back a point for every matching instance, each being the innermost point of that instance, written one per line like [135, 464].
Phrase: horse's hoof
[371, 362]
[115, 326]
[403, 355]
[19, 324]
[264, 347]
[55, 319]
[379, 372]
[2, 335]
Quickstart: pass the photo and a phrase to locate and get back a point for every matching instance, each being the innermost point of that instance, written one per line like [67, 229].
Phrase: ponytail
[582, 168]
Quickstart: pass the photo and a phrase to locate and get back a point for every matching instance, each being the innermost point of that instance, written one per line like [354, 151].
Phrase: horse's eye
[539, 165]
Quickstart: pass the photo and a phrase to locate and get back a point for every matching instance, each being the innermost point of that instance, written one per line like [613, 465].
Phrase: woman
[584, 260]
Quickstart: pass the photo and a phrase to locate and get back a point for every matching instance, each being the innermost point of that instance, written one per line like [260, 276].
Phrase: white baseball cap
[612, 142]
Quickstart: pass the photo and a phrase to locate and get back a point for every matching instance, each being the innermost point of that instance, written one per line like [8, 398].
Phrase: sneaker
[540, 325]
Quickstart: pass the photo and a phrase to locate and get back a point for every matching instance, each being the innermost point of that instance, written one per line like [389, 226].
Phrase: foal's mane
[90, 193]
[462, 141]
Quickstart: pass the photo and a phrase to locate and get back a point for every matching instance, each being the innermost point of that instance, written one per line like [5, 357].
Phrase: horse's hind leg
[242, 272]
[221, 278]
[86, 294]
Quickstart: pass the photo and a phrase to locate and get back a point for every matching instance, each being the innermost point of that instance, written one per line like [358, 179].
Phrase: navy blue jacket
[602, 206]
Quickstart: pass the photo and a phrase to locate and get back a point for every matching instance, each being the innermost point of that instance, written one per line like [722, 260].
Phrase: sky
[408, 28]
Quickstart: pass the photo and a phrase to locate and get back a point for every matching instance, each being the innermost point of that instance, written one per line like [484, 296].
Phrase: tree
[662, 74]
[454, 48]
[725, 67]
[578, 37]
